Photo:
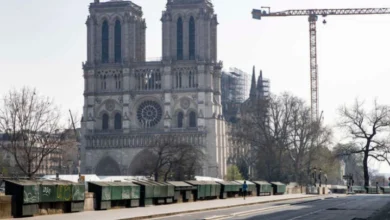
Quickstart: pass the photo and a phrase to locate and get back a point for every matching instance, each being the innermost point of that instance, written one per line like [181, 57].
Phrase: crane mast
[313, 18]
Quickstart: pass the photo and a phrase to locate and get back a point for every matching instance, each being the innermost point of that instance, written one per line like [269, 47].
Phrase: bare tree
[32, 125]
[368, 131]
[305, 139]
[167, 157]
[281, 135]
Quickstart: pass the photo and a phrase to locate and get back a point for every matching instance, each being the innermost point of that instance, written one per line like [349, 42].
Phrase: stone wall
[89, 202]
[5, 206]
[295, 190]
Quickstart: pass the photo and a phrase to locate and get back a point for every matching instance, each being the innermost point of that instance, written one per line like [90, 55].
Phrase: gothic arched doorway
[142, 164]
[107, 167]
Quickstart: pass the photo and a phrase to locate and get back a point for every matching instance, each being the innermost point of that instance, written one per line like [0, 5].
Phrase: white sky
[43, 43]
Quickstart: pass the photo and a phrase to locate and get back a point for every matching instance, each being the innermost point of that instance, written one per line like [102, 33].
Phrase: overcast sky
[43, 43]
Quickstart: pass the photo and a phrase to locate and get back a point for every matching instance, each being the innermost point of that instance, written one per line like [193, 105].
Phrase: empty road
[342, 208]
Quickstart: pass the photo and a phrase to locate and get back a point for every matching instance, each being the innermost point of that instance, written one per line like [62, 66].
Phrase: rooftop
[191, 2]
[97, 4]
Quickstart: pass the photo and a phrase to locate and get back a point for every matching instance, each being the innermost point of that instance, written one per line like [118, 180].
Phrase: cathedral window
[104, 82]
[178, 80]
[149, 114]
[192, 38]
[192, 120]
[191, 80]
[180, 76]
[118, 121]
[105, 39]
[105, 122]
[149, 79]
[117, 79]
[118, 41]
[180, 117]
[179, 36]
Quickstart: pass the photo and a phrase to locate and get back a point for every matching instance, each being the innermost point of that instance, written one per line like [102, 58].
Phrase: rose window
[149, 113]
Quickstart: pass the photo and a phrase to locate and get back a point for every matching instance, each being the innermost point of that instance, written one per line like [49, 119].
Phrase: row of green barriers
[371, 189]
[32, 196]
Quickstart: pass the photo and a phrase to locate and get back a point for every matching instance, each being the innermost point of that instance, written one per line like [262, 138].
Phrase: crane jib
[326, 12]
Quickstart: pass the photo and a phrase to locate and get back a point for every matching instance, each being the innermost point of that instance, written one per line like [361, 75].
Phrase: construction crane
[313, 15]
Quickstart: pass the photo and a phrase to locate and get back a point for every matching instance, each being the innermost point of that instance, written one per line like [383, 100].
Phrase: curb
[211, 209]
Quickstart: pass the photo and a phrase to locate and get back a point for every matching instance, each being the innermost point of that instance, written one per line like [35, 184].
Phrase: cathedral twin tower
[128, 101]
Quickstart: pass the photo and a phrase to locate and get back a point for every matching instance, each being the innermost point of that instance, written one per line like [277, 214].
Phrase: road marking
[245, 213]
[216, 217]
[306, 214]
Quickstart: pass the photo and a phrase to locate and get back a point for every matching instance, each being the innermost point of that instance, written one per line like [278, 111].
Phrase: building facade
[128, 102]
[52, 163]
[235, 86]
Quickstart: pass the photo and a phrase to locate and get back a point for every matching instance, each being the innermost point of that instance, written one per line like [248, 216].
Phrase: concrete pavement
[166, 210]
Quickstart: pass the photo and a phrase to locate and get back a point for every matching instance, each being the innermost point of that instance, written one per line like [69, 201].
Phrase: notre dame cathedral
[128, 101]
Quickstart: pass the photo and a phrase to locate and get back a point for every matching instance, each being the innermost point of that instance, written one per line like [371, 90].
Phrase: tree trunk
[156, 175]
[29, 174]
[297, 172]
[365, 169]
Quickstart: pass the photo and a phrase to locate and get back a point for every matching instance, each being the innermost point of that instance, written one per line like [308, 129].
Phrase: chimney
[97, 1]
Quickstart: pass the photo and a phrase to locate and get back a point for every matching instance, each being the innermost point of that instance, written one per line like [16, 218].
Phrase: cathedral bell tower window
[118, 42]
[117, 82]
[105, 120]
[105, 41]
[180, 117]
[178, 80]
[118, 121]
[192, 38]
[192, 120]
[191, 80]
[179, 39]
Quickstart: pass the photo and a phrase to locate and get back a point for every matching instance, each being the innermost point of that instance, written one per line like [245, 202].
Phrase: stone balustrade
[120, 140]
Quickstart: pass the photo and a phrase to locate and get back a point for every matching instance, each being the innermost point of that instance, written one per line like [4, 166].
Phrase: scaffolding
[235, 86]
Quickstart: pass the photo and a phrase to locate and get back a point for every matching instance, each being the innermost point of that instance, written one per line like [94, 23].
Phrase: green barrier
[278, 188]
[229, 189]
[146, 192]
[25, 197]
[371, 189]
[200, 192]
[30, 194]
[358, 189]
[263, 188]
[135, 192]
[64, 192]
[48, 191]
[102, 191]
[182, 190]
[385, 189]
[78, 192]
[109, 194]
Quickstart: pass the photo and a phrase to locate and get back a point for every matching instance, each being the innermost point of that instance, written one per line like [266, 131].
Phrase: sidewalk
[161, 210]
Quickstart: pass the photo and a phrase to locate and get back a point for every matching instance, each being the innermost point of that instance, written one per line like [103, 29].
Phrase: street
[343, 208]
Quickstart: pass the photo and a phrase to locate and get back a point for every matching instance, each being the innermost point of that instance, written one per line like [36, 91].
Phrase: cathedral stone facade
[128, 101]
